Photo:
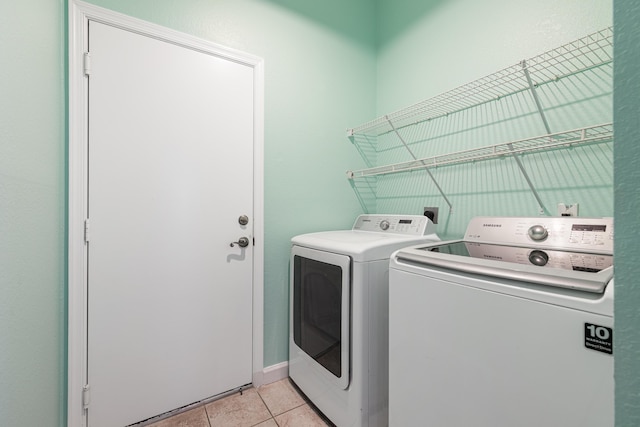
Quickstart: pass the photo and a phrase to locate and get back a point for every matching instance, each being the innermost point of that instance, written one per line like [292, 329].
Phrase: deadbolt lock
[243, 220]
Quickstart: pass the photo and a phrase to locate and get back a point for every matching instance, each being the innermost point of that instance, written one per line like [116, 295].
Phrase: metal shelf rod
[444, 196]
[593, 134]
[542, 209]
[536, 99]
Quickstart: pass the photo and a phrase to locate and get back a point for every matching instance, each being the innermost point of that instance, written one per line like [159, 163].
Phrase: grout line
[265, 404]
[273, 416]
[207, 414]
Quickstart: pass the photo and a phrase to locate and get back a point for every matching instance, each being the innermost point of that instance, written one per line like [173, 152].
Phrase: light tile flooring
[279, 404]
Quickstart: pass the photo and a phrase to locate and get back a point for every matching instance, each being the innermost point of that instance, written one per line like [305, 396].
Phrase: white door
[170, 173]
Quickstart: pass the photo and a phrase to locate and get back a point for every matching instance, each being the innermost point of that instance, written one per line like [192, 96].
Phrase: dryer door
[320, 312]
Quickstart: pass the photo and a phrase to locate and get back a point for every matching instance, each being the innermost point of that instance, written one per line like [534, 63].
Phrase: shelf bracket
[542, 209]
[536, 99]
[532, 87]
[426, 168]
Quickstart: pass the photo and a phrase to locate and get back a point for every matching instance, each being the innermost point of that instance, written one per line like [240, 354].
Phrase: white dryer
[338, 347]
[511, 326]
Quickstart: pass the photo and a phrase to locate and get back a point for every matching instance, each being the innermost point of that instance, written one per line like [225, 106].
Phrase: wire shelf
[592, 51]
[588, 135]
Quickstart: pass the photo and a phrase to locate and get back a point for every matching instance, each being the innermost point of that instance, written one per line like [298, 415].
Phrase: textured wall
[627, 208]
[320, 79]
[32, 188]
[319, 73]
[430, 47]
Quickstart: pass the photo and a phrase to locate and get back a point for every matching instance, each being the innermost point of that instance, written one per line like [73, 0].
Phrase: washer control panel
[573, 233]
[412, 225]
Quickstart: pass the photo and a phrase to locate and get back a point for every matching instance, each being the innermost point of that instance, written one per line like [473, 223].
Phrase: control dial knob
[539, 258]
[384, 224]
[538, 233]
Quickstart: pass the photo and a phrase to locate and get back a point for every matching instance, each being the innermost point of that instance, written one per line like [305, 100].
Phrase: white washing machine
[338, 346]
[511, 326]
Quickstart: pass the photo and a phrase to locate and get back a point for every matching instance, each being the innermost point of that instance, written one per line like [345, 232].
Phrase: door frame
[80, 13]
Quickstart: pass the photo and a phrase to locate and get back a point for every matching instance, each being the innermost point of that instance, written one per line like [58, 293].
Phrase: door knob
[243, 242]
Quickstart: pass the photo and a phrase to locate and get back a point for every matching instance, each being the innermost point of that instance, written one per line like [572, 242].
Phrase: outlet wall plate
[567, 210]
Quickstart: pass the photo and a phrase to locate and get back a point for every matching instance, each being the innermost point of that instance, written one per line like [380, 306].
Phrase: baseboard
[271, 374]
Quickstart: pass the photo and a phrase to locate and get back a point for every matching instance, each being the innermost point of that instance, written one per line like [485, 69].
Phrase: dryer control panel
[411, 225]
[593, 235]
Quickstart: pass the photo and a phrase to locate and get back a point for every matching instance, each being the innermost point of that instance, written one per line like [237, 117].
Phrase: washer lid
[360, 245]
[581, 271]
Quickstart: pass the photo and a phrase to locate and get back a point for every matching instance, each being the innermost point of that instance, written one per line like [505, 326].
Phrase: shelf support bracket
[536, 99]
[542, 209]
[426, 168]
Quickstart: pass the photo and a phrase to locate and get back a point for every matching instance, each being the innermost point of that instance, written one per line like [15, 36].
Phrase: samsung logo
[492, 225]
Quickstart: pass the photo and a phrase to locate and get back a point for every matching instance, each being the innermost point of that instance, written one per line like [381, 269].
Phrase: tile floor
[279, 404]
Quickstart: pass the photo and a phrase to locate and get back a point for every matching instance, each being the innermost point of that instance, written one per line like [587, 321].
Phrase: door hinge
[86, 396]
[86, 63]
[86, 230]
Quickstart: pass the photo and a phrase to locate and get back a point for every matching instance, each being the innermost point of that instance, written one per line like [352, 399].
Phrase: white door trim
[79, 15]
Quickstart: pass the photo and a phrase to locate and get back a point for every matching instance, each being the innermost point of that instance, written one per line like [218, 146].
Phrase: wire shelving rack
[587, 53]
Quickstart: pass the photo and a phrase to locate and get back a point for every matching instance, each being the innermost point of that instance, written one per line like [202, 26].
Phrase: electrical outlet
[431, 213]
[567, 210]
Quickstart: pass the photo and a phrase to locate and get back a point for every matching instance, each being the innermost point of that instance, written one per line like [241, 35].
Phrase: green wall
[430, 47]
[627, 205]
[328, 66]
[32, 214]
[319, 78]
